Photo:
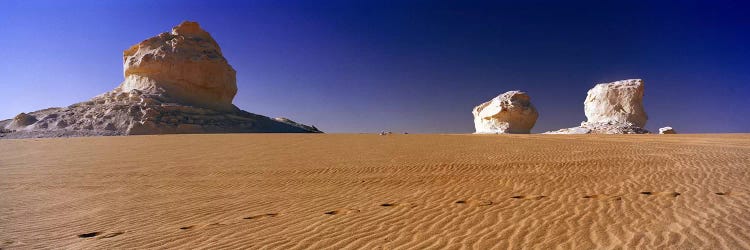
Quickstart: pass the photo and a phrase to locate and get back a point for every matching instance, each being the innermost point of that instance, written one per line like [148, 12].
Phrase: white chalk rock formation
[185, 64]
[612, 108]
[508, 113]
[618, 102]
[667, 130]
[176, 82]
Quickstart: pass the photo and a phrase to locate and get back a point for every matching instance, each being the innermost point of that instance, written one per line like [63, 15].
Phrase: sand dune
[317, 191]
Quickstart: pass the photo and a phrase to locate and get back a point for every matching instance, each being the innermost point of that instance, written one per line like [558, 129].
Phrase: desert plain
[360, 191]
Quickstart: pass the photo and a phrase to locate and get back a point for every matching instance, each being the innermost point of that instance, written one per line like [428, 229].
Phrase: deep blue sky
[421, 66]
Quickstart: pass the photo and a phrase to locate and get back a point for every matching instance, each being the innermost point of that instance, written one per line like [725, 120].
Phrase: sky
[403, 66]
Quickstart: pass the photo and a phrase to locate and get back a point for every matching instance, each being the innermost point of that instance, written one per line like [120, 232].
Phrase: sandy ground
[313, 191]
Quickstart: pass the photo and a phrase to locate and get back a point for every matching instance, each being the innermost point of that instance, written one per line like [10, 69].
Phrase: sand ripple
[376, 192]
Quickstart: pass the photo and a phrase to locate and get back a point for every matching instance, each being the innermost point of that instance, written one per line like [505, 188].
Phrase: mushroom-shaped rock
[510, 112]
[175, 83]
[186, 65]
[619, 102]
[667, 130]
[612, 108]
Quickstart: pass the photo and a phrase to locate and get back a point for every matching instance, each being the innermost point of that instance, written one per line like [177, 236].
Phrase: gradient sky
[415, 66]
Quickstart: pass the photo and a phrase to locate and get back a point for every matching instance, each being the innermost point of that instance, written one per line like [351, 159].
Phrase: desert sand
[346, 191]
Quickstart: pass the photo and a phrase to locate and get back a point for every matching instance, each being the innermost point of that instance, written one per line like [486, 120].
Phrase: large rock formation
[510, 112]
[618, 102]
[176, 82]
[612, 108]
[186, 65]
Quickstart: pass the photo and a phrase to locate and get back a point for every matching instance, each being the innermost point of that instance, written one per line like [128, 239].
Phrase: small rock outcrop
[508, 113]
[602, 128]
[295, 124]
[612, 108]
[667, 130]
[176, 82]
[21, 121]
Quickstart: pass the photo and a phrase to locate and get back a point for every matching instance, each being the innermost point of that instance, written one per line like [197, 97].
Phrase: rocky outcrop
[667, 130]
[612, 108]
[618, 102]
[21, 121]
[176, 82]
[295, 124]
[510, 112]
[602, 128]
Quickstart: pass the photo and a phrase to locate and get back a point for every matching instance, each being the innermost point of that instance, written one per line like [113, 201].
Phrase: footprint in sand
[528, 197]
[393, 204]
[94, 234]
[110, 235]
[216, 224]
[253, 217]
[668, 194]
[479, 202]
[89, 235]
[6, 243]
[603, 197]
[341, 211]
[261, 216]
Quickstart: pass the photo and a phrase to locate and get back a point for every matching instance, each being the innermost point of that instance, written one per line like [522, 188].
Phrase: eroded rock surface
[510, 112]
[185, 65]
[617, 102]
[176, 82]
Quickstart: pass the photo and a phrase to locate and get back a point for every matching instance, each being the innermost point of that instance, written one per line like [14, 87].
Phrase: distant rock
[385, 133]
[510, 112]
[618, 102]
[571, 131]
[667, 130]
[296, 124]
[613, 108]
[601, 128]
[176, 82]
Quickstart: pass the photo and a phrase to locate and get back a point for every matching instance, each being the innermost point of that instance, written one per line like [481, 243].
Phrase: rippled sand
[312, 191]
